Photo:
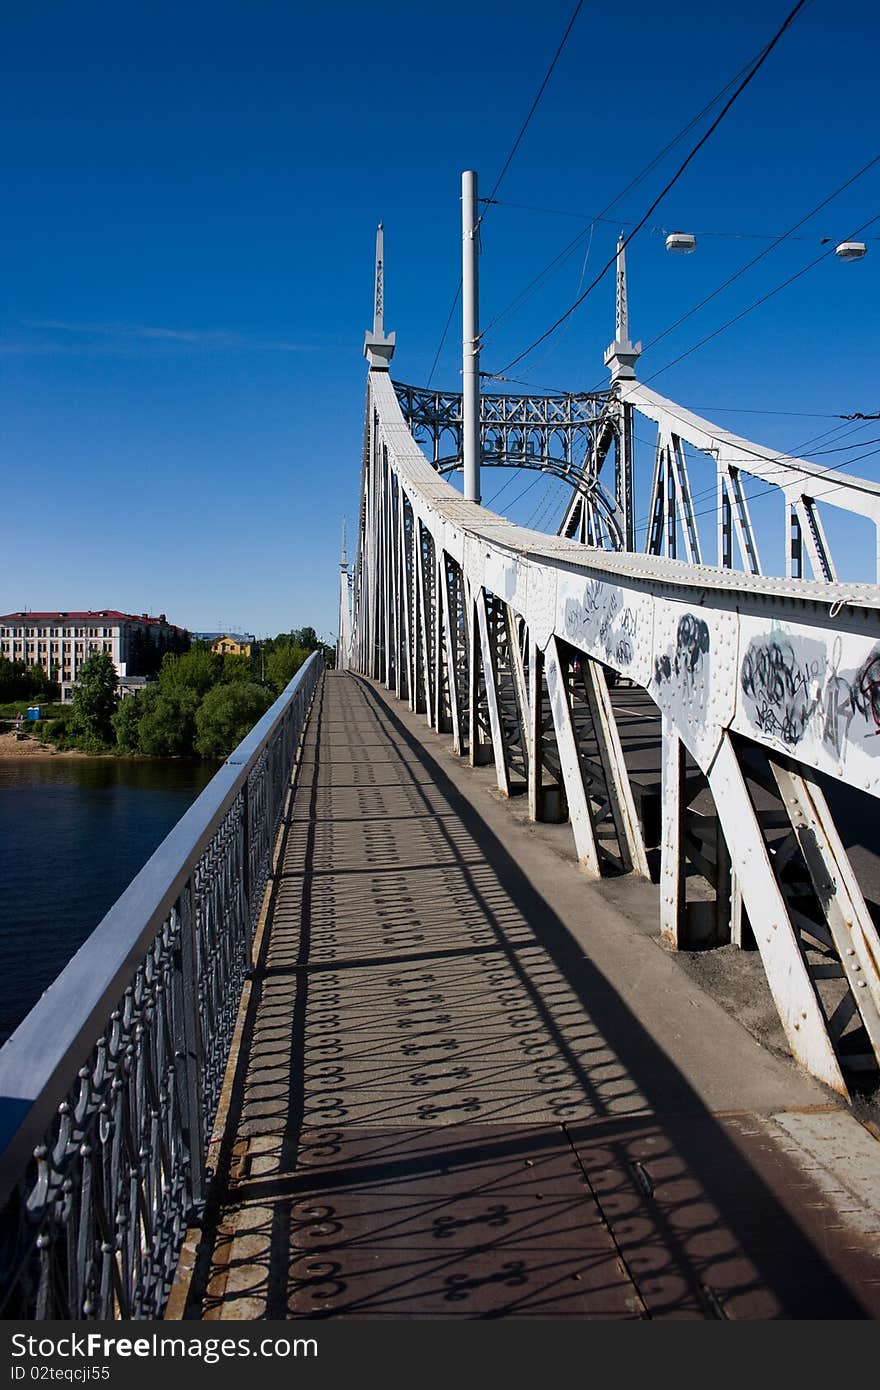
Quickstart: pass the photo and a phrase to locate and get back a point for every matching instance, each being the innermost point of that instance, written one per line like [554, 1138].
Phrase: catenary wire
[766, 252]
[568, 250]
[691, 155]
[589, 219]
[513, 149]
[751, 307]
[782, 464]
[765, 491]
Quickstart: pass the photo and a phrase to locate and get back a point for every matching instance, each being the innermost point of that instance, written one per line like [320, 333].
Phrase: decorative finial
[621, 355]
[379, 349]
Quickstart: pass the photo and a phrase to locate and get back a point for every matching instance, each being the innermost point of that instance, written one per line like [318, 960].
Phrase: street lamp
[682, 243]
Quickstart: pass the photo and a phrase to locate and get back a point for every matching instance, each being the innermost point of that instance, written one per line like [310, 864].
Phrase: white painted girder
[792, 664]
[794, 476]
[538, 575]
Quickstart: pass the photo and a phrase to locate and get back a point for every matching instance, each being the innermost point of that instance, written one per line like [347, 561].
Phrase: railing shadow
[444, 1109]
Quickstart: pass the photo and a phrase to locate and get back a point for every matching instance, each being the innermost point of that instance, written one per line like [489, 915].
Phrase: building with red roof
[60, 642]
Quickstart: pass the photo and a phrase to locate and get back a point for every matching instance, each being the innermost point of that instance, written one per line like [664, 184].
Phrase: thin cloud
[128, 338]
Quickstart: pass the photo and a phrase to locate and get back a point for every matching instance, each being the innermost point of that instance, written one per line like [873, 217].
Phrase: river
[73, 834]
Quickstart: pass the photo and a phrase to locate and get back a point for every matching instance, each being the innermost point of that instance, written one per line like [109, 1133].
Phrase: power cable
[590, 218]
[766, 252]
[513, 149]
[569, 250]
[534, 106]
[756, 305]
[763, 492]
[782, 463]
[754, 70]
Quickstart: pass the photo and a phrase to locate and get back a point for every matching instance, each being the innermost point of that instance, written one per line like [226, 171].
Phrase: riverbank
[12, 746]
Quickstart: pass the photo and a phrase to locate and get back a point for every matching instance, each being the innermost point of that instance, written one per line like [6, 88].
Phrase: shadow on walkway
[443, 1107]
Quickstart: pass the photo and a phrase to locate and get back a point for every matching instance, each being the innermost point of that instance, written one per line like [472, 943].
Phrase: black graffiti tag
[867, 690]
[691, 645]
[779, 685]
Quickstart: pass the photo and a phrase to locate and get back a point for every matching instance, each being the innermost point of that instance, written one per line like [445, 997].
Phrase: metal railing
[109, 1087]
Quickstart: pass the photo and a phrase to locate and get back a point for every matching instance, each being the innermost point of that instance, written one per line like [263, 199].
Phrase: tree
[94, 702]
[167, 724]
[21, 682]
[282, 664]
[307, 638]
[197, 670]
[236, 667]
[226, 714]
[126, 722]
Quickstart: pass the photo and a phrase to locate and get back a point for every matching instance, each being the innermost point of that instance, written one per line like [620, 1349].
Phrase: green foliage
[226, 714]
[282, 664]
[307, 638]
[52, 731]
[21, 682]
[237, 667]
[9, 709]
[94, 703]
[126, 722]
[197, 670]
[201, 703]
[167, 724]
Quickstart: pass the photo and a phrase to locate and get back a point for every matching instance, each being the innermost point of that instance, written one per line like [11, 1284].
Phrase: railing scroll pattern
[110, 1086]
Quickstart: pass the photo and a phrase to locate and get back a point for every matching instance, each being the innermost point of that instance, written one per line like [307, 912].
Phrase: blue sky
[191, 196]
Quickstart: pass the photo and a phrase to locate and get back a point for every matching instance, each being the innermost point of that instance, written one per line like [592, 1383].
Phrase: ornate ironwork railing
[109, 1087]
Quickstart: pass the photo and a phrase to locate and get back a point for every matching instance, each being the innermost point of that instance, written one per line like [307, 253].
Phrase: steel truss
[506, 640]
[729, 461]
[570, 437]
[567, 437]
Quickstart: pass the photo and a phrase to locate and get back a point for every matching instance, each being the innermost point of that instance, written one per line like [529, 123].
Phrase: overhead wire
[542, 387]
[751, 307]
[782, 463]
[590, 218]
[569, 250]
[766, 252]
[507, 163]
[691, 155]
[765, 491]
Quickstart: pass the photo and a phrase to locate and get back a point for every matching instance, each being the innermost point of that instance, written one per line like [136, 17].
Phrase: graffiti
[682, 675]
[795, 691]
[602, 620]
[781, 687]
[867, 690]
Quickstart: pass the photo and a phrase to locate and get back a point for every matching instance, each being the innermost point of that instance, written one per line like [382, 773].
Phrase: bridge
[441, 999]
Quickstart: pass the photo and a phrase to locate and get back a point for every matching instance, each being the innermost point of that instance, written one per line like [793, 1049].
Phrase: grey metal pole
[470, 432]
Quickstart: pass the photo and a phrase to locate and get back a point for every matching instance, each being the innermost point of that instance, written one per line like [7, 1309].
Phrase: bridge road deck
[469, 1087]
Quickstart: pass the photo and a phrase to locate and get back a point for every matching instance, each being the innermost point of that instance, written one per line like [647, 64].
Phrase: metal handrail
[122, 1057]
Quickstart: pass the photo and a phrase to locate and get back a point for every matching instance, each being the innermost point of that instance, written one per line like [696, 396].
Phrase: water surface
[73, 834]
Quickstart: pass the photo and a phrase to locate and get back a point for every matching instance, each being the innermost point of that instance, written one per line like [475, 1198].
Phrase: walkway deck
[469, 1087]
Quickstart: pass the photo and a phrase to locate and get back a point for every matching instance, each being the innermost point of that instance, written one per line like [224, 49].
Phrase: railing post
[189, 1060]
[246, 872]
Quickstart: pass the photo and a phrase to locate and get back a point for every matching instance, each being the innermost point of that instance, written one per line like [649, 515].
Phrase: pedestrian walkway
[469, 1088]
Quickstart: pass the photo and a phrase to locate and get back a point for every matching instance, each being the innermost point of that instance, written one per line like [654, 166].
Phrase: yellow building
[227, 643]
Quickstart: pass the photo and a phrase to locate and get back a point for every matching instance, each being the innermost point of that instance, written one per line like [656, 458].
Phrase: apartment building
[60, 642]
